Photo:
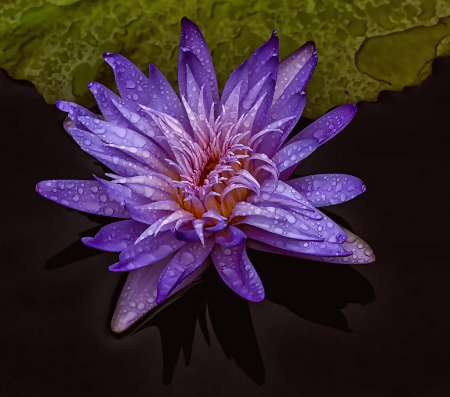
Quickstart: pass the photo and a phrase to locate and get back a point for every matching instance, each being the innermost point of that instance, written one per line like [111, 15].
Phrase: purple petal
[220, 225]
[291, 155]
[144, 215]
[362, 253]
[81, 195]
[115, 237]
[293, 108]
[269, 219]
[230, 237]
[116, 135]
[286, 201]
[292, 219]
[185, 261]
[192, 38]
[263, 90]
[139, 293]
[291, 66]
[239, 75]
[151, 187]
[307, 247]
[323, 227]
[191, 78]
[189, 236]
[105, 98]
[150, 161]
[114, 159]
[163, 97]
[328, 189]
[132, 84]
[192, 231]
[300, 231]
[237, 272]
[263, 60]
[262, 115]
[297, 85]
[146, 252]
[145, 126]
[123, 194]
[323, 129]
[327, 126]
[74, 111]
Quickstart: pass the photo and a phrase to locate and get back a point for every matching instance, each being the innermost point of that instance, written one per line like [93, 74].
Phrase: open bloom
[206, 176]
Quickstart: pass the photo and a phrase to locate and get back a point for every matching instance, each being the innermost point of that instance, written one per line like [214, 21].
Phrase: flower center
[209, 166]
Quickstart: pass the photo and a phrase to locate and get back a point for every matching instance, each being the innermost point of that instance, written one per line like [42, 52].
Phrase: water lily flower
[204, 177]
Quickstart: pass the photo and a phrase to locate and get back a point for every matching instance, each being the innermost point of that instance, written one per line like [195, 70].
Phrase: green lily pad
[363, 46]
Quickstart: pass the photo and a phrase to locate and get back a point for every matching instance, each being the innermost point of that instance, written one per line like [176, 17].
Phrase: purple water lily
[205, 177]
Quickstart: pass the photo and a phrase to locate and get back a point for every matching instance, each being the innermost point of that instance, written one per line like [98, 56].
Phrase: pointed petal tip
[87, 240]
[351, 107]
[62, 105]
[124, 322]
[114, 268]
[258, 298]
[109, 58]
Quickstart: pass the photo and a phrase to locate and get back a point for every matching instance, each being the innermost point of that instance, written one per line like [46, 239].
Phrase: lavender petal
[138, 295]
[322, 129]
[82, 195]
[230, 237]
[239, 75]
[163, 97]
[186, 260]
[292, 108]
[146, 252]
[291, 66]
[321, 248]
[297, 85]
[237, 272]
[361, 251]
[263, 60]
[144, 215]
[328, 189]
[114, 159]
[328, 125]
[132, 84]
[116, 236]
[116, 135]
[292, 154]
[192, 76]
[192, 38]
[105, 98]
[74, 111]
[123, 194]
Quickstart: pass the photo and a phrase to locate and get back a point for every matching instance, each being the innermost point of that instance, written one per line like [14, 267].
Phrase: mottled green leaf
[363, 46]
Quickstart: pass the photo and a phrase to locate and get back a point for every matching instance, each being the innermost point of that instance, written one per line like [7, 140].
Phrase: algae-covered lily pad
[363, 46]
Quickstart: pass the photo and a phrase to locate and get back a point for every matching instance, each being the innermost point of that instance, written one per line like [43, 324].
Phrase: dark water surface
[324, 330]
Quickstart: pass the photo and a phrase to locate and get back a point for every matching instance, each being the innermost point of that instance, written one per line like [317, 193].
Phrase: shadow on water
[230, 320]
[315, 291]
[78, 251]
